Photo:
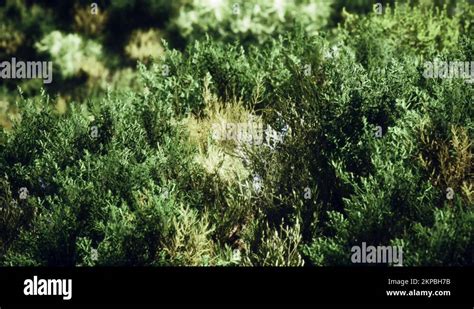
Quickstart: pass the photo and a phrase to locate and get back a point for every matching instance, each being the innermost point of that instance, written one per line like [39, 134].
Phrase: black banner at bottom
[433, 287]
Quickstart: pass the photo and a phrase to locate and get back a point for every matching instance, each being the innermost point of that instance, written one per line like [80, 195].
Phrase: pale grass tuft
[190, 243]
[220, 157]
[449, 162]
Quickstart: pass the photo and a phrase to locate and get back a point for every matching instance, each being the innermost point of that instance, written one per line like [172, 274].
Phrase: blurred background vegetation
[93, 49]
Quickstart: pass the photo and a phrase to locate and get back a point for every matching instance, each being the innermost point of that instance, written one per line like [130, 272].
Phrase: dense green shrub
[364, 148]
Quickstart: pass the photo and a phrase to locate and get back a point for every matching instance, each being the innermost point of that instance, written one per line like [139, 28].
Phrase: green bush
[364, 148]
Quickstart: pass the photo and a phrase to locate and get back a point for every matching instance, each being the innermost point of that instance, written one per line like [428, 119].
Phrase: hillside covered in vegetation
[226, 133]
